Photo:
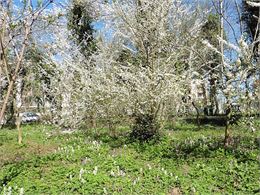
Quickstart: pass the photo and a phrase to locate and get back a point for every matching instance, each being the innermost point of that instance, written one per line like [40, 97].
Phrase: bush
[145, 128]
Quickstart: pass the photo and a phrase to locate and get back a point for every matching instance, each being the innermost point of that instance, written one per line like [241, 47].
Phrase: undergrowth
[96, 162]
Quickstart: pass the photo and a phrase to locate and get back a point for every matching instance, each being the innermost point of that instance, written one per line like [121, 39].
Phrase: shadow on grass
[114, 139]
[243, 148]
[13, 171]
[184, 126]
[118, 138]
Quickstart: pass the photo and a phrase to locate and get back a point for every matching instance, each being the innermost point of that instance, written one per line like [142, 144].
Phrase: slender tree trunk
[227, 134]
[1, 79]
[13, 79]
[2, 62]
[227, 139]
[18, 126]
[205, 100]
[197, 115]
[30, 19]
[217, 104]
[222, 37]
[18, 105]
[1, 65]
[212, 93]
[10, 113]
[93, 122]
[112, 127]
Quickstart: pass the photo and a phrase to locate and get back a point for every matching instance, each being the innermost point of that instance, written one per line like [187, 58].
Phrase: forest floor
[186, 160]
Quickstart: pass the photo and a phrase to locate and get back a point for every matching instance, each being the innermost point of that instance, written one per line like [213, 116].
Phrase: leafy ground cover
[186, 160]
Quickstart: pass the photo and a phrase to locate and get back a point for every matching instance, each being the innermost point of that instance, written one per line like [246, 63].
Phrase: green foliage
[249, 18]
[38, 77]
[210, 32]
[145, 128]
[211, 29]
[80, 23]
[80, 163]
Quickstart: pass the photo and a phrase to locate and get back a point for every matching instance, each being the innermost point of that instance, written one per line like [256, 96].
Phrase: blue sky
[230, 13]
[34, 2]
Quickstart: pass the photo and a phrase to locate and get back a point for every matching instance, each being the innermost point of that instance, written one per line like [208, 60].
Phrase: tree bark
[18, 126]
[198, 114]
[18, 105]
[205, 100]
[28, 27]
[13, 79]
[227, 139]
[222, 36]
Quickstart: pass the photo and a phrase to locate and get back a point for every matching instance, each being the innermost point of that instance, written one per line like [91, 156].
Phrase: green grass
[185, 159]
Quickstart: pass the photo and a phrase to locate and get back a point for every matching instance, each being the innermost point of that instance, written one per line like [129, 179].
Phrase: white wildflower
[252, 129]
[105, 190]
[112, 173]
[9, 190]
[81, 173]
[95, 170]
[21, 191]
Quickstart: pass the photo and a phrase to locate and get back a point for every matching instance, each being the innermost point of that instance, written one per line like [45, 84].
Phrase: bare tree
[15, 31]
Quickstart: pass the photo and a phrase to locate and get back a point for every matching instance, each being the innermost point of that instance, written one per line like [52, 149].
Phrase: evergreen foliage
[80, 23]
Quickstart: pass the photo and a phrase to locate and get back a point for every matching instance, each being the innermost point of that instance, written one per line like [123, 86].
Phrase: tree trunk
[112, 127]
[217, 104]
[228, 138]
[93, 123]
[222, 37]
[13, 79]
[197, 114]
[18, 105]
[212, 96]
[10, 112]
[18, 126]
[1, 87]
[205, 100]
[28, 23]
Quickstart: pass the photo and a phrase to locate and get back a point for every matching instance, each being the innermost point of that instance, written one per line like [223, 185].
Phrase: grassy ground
[186, 160]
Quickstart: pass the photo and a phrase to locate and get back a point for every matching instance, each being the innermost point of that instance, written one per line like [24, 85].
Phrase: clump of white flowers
[146, 82]
[118, 173]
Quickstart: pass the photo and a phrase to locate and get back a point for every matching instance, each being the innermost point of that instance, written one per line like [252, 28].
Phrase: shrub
[145, 127]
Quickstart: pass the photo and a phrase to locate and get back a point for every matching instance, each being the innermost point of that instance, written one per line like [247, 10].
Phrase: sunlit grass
[185, 159]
